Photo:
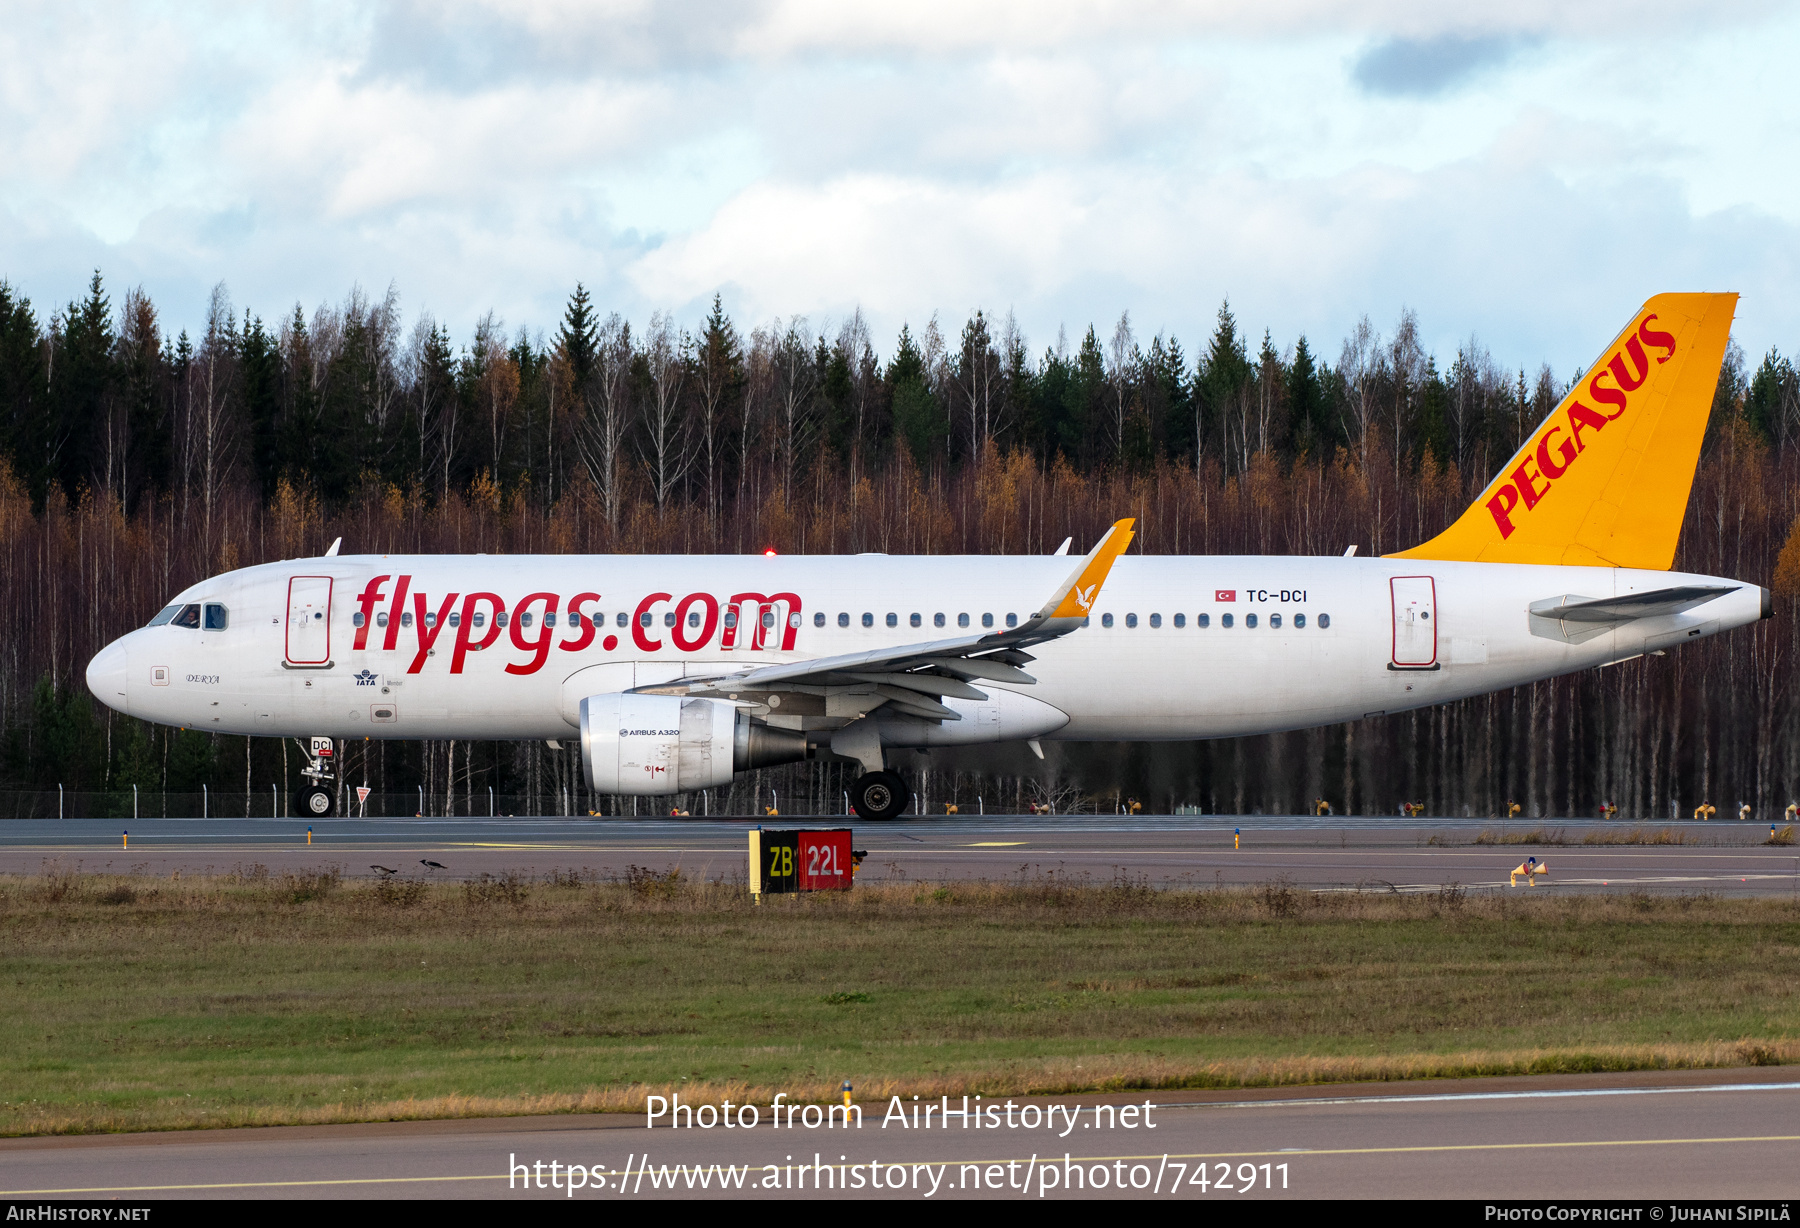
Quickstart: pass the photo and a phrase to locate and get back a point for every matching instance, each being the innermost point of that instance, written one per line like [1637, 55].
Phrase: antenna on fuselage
[332, 553]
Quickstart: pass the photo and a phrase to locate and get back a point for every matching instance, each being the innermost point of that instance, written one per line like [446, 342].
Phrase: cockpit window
[215, 617]
[164, 615]
[189, 616]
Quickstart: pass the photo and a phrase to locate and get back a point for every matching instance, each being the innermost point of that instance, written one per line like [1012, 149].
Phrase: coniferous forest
[139, 459]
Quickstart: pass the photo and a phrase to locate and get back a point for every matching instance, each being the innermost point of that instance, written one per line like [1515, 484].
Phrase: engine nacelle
[645, 745]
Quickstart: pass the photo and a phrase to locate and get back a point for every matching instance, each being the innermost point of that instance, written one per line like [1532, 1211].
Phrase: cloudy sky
[1527, 173]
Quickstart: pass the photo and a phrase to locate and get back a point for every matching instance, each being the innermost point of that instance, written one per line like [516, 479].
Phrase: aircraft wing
[1574, 609]
[909, 676]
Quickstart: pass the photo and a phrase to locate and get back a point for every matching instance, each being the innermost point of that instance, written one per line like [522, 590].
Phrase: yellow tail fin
[1604, 480]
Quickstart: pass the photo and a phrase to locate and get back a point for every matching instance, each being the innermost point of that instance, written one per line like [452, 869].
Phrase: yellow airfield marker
[996, 844]
[1528, 867]
[309, 835]
[125, 838]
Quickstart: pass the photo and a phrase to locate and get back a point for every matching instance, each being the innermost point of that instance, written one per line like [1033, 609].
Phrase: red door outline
[1394, 600]
[288, 643]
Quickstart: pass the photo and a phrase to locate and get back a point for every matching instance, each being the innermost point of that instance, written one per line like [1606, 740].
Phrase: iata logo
[364, 677]
[1622, 374]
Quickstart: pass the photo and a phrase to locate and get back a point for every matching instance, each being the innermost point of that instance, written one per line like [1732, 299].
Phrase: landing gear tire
[879, 796]
[314, 802]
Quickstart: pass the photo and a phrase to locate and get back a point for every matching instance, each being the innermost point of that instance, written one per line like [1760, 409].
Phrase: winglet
[1075, 599]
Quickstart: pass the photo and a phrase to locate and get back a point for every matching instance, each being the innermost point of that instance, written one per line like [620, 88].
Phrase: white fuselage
[1333, 639]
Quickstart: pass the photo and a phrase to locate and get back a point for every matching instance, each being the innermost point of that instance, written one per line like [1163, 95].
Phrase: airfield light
[769, 553]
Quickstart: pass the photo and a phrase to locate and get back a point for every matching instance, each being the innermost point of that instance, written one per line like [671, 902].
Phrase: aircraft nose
[107, 672]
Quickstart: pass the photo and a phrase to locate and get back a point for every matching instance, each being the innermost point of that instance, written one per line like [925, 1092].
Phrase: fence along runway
[1324, 854]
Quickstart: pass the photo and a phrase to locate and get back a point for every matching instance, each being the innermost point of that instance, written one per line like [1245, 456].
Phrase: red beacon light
[769, 553]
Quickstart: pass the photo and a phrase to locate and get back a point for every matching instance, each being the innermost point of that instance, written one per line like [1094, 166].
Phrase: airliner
[671, 674]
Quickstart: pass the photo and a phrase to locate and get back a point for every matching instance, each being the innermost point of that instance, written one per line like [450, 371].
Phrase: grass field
[135, 1003]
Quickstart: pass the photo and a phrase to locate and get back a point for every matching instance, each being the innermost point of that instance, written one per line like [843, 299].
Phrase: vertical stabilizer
[1604, 480]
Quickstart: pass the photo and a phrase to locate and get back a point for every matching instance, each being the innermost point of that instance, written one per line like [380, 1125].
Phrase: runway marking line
[1214, 1155]
[996, 844]
[1443, 1096]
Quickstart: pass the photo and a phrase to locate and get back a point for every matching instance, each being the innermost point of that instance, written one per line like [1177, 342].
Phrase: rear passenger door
[1415, 622]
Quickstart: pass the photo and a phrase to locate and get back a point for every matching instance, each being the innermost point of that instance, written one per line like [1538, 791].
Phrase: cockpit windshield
[212, 616]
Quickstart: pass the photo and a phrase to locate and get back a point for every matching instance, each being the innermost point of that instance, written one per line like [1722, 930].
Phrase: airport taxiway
[1654, 1135]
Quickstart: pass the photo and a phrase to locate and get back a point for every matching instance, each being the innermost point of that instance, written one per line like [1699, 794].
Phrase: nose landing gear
[879, 796]
[316, 801]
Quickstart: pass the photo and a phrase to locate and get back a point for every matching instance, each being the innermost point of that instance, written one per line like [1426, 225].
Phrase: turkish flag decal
[1224, 594]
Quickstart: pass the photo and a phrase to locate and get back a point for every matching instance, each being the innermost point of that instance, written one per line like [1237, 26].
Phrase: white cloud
[1067, 159]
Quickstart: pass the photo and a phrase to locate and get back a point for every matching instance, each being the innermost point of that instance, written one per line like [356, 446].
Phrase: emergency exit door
[309, 620]
[1415, 622]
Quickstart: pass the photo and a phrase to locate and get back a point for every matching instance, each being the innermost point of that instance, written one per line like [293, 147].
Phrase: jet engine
[650, 744]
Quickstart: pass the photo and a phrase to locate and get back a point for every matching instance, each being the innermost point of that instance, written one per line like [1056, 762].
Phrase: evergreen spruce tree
[81, 380]
[24, 401]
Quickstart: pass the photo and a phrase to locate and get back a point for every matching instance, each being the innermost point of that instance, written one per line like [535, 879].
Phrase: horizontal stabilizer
[1573, 609]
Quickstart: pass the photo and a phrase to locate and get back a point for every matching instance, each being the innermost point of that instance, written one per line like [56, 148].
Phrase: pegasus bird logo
[1085, 597]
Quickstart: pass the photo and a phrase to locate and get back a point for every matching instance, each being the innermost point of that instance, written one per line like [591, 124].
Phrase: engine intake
[643, 745]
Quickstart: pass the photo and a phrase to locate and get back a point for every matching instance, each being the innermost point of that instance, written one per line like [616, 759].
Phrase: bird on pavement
[432, 864]
[383, 870]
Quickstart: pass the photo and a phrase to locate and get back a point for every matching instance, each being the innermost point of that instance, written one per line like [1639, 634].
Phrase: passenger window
[480, 620]
[1181, 620]
[768, 619]
[406, 619]
[1300, 622]
[1131, 620]
[1106, 620]
[622, 619]
[843, 620]
[893, 620]
[868, 619]
[165, 615]
[526, 618]
[1156, 620]
[431, 619]
[456, 620]
[1274, 620]
[499, 619]
[916, 620]
[189, 617]
[1203, 620]
[644, 619]
[381, 619]
[669, 619]
[937, 620]
[818, 620]
[794, 620]
[987, 620]
[550, 619]
[356, 619]
[1012, 620]
[730, 619]
[962, 620]
[1324, 621]
[1249, 620]
[1225, 620]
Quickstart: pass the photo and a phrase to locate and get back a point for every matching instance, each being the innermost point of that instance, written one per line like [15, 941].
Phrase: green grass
[139, 1003]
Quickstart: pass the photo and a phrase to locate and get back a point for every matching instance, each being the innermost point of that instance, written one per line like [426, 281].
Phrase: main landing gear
[879, 796]
[316, 801]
